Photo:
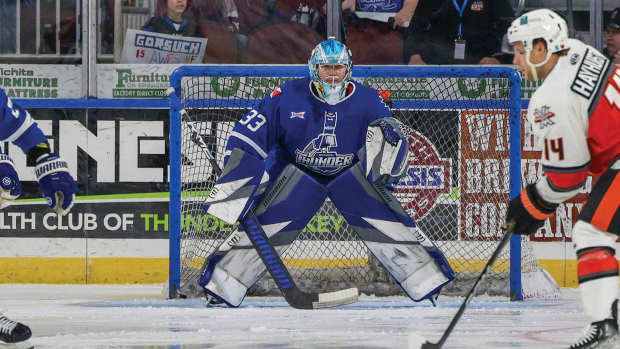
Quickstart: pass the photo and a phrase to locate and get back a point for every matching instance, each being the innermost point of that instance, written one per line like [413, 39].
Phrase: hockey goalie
[322, 136]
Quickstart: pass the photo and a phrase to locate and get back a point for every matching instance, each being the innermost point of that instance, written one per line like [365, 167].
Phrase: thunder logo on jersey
[318, 154]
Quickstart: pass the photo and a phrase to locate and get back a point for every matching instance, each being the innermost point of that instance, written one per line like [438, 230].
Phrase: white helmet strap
[528, 54]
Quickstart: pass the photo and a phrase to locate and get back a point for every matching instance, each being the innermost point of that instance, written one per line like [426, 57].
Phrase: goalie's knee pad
[236, 190]
[283, 212]
[597, 270]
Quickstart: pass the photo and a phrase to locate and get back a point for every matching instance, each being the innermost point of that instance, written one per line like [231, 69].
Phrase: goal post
[464, 125]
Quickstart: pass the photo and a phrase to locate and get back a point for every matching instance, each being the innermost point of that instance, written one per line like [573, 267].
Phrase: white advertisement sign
[156, 48]
[41, 80]
[134, 80]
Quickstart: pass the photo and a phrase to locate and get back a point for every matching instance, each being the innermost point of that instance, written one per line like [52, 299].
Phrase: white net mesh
[456, 188]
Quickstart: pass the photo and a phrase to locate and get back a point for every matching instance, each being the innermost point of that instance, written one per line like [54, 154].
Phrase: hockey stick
[416, 341]
[292, 294]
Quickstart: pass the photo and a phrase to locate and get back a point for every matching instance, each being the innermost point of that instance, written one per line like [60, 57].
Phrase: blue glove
[10, 187]
[56, 183]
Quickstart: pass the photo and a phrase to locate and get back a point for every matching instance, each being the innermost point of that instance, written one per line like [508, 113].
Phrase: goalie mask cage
[464, 126]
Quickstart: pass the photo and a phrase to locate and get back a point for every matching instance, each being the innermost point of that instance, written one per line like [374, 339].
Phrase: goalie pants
[406, 253]
[594, 237]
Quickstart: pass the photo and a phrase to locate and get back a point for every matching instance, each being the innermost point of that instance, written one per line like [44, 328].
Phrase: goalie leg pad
[390, 234]
[236, 189]
[283, 212]
[597, 269]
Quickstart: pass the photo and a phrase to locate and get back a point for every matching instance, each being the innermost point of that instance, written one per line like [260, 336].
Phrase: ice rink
[139, 317]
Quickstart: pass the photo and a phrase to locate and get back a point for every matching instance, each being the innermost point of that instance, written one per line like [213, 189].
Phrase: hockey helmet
[539, 24]
[330, 51]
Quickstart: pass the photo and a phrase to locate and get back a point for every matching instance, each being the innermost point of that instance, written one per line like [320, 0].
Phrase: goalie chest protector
[304, 130]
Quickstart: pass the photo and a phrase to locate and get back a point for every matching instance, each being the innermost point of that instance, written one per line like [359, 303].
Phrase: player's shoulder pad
[287, 86]
[369, 92]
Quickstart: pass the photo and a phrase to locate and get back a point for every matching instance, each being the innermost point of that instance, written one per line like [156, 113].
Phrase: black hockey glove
[529, 211]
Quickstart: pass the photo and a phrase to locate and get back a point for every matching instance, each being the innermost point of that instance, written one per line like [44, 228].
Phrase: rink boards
[120, 261]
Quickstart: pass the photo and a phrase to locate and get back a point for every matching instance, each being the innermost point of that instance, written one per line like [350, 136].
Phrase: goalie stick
[418, 342]
[292, 294]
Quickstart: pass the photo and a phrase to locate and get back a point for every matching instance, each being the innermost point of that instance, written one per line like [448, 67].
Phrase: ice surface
[69, 316]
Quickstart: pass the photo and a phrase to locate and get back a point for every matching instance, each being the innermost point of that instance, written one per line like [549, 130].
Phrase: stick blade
[336, 298]
[415, 341]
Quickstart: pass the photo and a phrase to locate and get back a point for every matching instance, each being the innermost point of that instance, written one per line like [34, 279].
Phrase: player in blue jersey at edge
[52, 174]
[322, 136]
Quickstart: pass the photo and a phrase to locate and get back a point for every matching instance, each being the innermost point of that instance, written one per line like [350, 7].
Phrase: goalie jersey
[576, 116]
[293, 125]
[17, 126]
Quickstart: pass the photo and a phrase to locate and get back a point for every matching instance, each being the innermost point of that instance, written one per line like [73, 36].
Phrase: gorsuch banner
[156, 48]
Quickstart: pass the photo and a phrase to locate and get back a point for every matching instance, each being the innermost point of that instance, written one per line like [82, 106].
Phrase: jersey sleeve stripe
[531, 208]
[250, 142]
[574, 169]
[564, 190]
[21, 129]
[564, 182]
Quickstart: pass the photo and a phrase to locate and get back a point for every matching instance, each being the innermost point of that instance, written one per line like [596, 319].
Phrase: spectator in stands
[309, 13]
[612, 51]
[173, 17]
[219, 11]
[401, 11]
[458, 31]
[382, 22]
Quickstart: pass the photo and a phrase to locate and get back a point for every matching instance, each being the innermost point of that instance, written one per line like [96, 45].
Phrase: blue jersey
[293, 125]
[17, 126]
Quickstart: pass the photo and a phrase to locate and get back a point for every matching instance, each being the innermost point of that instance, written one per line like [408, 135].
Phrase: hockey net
[457, 187]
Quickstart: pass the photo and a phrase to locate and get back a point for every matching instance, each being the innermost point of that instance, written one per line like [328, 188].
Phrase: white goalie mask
[330, 51]
[539, 24]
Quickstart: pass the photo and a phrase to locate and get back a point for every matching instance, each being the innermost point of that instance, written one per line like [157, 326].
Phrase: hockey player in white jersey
[576, 116]
[55, 184]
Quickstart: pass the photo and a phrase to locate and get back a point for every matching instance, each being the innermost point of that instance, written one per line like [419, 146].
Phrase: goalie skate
[14, 334]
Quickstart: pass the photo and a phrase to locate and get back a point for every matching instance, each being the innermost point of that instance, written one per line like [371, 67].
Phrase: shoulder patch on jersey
[385, 98]
[543, 116]
[385, 94]
[275, 92]
[589, 74]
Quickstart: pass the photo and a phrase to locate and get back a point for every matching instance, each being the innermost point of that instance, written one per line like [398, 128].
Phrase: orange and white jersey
[576, 114]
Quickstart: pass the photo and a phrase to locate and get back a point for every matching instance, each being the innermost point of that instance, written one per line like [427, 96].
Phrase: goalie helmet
[539, 24]
[330, 51]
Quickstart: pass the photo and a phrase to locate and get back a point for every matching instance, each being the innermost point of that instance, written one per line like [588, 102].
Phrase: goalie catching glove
[386, 151]
[55, 183]
[529, 211]
[10, 187]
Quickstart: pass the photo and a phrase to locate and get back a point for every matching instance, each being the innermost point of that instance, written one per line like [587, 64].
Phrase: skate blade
[20, 345]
